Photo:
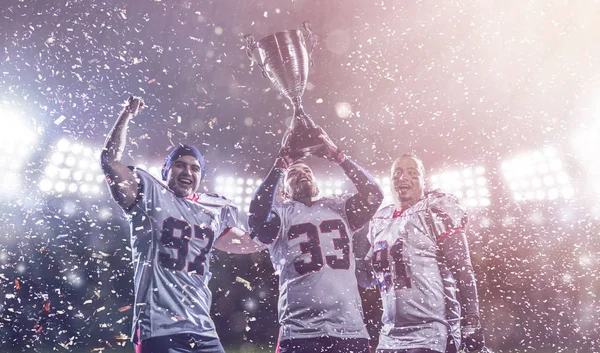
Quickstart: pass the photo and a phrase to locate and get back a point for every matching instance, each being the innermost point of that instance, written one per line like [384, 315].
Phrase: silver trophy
[285, 60]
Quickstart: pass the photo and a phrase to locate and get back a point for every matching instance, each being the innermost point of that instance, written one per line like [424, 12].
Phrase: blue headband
[183, 150]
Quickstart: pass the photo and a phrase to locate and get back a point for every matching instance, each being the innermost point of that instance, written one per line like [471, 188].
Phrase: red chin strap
[194, 197]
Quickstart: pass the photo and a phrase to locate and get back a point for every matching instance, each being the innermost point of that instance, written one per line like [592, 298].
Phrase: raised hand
[330, 150]
[472, 339]
[134, 105]
[285, 157]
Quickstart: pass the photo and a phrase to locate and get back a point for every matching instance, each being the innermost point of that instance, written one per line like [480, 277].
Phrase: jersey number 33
[313, 245]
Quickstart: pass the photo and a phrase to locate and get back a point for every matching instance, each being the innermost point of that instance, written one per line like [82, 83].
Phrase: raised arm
[263, 222]
[363, 253]
[362, 205]
[121, 180]
[455, 252]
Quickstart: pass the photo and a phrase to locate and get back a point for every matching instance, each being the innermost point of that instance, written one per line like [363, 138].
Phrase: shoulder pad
[213, 199]
[384, 212]
[211, 194]
[437, 196]
[437, 193]
[448, 206]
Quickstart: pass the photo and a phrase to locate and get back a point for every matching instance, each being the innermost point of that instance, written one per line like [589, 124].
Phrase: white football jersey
[420, 307]
[171, 241]
[318, 291]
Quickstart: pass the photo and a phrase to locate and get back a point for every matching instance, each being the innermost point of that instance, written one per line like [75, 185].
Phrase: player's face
[184, 176]
[408, 181]
[300, 182]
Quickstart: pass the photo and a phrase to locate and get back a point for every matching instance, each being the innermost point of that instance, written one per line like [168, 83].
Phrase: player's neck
[306, 200]
[403, 206]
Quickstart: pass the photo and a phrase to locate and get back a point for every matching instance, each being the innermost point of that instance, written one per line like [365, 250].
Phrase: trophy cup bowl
[285, 60]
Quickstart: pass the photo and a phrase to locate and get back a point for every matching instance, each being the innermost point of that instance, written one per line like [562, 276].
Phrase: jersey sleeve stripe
[450, 232]
[225, 231]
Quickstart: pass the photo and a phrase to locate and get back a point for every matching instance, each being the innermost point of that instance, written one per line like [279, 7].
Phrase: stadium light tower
[72, 168]
[469, 184]
[537, 175]
[238, 190]
[386, 185]
[241, 190]
[17, 142]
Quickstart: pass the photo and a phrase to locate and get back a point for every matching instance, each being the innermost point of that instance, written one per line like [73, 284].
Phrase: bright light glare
[17, 136]
[343, 109]
[72, 167]
[469, 184]
[385, 184]
[533, 175]
[241, 190]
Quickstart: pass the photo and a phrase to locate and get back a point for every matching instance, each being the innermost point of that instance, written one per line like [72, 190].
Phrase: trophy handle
[312, 37]
[250, 46]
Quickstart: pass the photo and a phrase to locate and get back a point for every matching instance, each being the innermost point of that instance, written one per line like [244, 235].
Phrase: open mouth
[186, 182]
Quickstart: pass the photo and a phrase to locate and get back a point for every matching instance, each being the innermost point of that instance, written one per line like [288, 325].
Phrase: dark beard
[306, 190]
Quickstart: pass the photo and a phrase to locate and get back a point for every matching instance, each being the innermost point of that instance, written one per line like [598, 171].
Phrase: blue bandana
[183, 150]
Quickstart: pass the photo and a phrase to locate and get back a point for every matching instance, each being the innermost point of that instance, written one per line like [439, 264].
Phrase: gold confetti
[244, 282]
[122, 337]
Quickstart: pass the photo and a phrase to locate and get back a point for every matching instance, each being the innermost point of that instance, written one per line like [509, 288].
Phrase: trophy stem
[300, 116]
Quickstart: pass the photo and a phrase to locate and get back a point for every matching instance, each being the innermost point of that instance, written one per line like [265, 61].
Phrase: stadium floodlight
[241, 190]
[151, 169]
[385, 183]
[72, 168]
[18, 141]
[330, 187]
[537, 175]
[469, 184]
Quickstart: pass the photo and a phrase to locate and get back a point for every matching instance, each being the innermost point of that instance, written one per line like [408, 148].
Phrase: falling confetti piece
[244, 282]
[212, 122]
[59, 120]
[124, 308]
[122, 337]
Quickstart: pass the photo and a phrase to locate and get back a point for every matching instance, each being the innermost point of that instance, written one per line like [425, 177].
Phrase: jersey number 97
[181, 243]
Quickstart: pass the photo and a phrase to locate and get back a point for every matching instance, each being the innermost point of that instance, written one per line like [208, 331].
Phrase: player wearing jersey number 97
[309, 240]
[173, 230]
[420, 259]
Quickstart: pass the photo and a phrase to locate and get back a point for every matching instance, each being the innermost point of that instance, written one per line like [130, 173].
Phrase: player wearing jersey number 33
[173, 231]
[420, 260]
[309, 241]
